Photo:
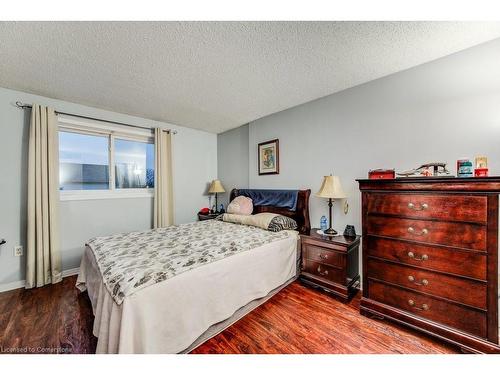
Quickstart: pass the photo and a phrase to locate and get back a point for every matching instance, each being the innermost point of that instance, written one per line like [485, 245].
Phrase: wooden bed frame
[300, 215]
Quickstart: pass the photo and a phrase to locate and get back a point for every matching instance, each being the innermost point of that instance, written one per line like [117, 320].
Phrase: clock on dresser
[330, 263]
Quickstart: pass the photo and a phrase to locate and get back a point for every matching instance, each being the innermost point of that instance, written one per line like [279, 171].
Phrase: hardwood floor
[296, 320]
[53, 318]
[304, 320]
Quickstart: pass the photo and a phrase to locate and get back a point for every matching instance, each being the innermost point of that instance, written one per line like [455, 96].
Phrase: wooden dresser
[430, 257]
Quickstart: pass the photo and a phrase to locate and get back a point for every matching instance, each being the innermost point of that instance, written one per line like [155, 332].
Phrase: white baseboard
[11, 286]
[21, 283]
[70, 272]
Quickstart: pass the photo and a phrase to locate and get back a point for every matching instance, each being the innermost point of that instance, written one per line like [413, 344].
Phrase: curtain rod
[24, 106]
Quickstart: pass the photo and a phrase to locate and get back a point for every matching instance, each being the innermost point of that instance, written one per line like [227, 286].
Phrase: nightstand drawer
[323, 271]
[324, 243]
[323, 255]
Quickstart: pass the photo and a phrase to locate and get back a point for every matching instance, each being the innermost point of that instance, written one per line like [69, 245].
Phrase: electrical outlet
[18, 251]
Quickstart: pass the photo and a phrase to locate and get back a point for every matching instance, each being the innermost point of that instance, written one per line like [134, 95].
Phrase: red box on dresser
[430, 257]
[381, 174]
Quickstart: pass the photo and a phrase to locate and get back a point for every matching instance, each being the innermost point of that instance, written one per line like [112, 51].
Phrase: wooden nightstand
[331, 263]
[202, 217]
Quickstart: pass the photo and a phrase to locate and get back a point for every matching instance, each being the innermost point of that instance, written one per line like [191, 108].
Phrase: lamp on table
[331, 189]
[216, 187]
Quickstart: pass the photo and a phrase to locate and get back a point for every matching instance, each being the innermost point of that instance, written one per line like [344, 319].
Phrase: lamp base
[330, 232]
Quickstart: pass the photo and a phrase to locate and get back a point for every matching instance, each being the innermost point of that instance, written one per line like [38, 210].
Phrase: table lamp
[216, 187]
[331, 189]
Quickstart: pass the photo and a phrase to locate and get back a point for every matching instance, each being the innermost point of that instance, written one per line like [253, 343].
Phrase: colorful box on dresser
[430, 257]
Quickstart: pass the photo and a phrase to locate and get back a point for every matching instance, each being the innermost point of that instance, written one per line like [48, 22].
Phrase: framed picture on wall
[269, 157]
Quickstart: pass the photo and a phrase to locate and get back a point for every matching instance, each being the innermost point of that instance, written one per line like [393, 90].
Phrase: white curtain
[43, 256]
[163, 204]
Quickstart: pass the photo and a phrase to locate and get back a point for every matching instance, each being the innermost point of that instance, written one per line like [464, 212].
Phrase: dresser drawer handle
[423, 206]
[412, 230]
[424, 307]
[322, 273]
[323, 256]
[424, 282]
[412, 256]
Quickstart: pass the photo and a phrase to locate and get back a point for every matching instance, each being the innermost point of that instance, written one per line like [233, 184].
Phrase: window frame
[112, 132]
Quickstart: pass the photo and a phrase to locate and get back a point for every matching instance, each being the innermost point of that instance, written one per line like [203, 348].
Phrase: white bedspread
[169, 316]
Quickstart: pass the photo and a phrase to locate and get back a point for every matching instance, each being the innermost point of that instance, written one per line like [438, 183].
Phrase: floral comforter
[132, 261]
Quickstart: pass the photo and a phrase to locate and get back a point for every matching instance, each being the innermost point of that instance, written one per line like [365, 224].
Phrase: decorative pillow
[265, 220]
[240, 206]
[280, 222]
[260, 220]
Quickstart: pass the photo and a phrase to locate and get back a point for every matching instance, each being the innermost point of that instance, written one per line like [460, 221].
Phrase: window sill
[79, 195]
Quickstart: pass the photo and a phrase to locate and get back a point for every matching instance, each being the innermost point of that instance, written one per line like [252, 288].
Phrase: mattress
[172, 315]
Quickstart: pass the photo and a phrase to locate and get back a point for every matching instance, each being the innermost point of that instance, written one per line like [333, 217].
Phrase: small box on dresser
[330, 263]
[430, 257]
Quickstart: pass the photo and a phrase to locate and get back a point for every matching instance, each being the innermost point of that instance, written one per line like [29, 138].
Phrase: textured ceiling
[216, 75]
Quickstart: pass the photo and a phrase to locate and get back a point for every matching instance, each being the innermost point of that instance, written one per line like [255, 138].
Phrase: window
[101, 161]
[83, 162]
[134, 164]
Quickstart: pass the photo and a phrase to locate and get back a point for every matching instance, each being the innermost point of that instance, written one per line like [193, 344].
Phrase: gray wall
[232, 160]
[439, 111]
[195, 163]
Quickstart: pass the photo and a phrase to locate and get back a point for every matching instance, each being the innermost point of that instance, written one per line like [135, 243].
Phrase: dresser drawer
[323, 271]
[462, 318]
[467, 208]
[455, 261]
[470, 236]
[323, 255]
[472, 293]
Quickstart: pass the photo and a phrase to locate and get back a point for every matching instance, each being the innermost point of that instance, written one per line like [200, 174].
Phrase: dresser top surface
[472, 184]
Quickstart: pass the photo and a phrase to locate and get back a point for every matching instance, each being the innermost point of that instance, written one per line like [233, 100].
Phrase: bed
[216, 272]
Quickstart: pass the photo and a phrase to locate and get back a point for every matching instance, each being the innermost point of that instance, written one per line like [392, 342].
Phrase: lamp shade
[331, 188]
[216, 187]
